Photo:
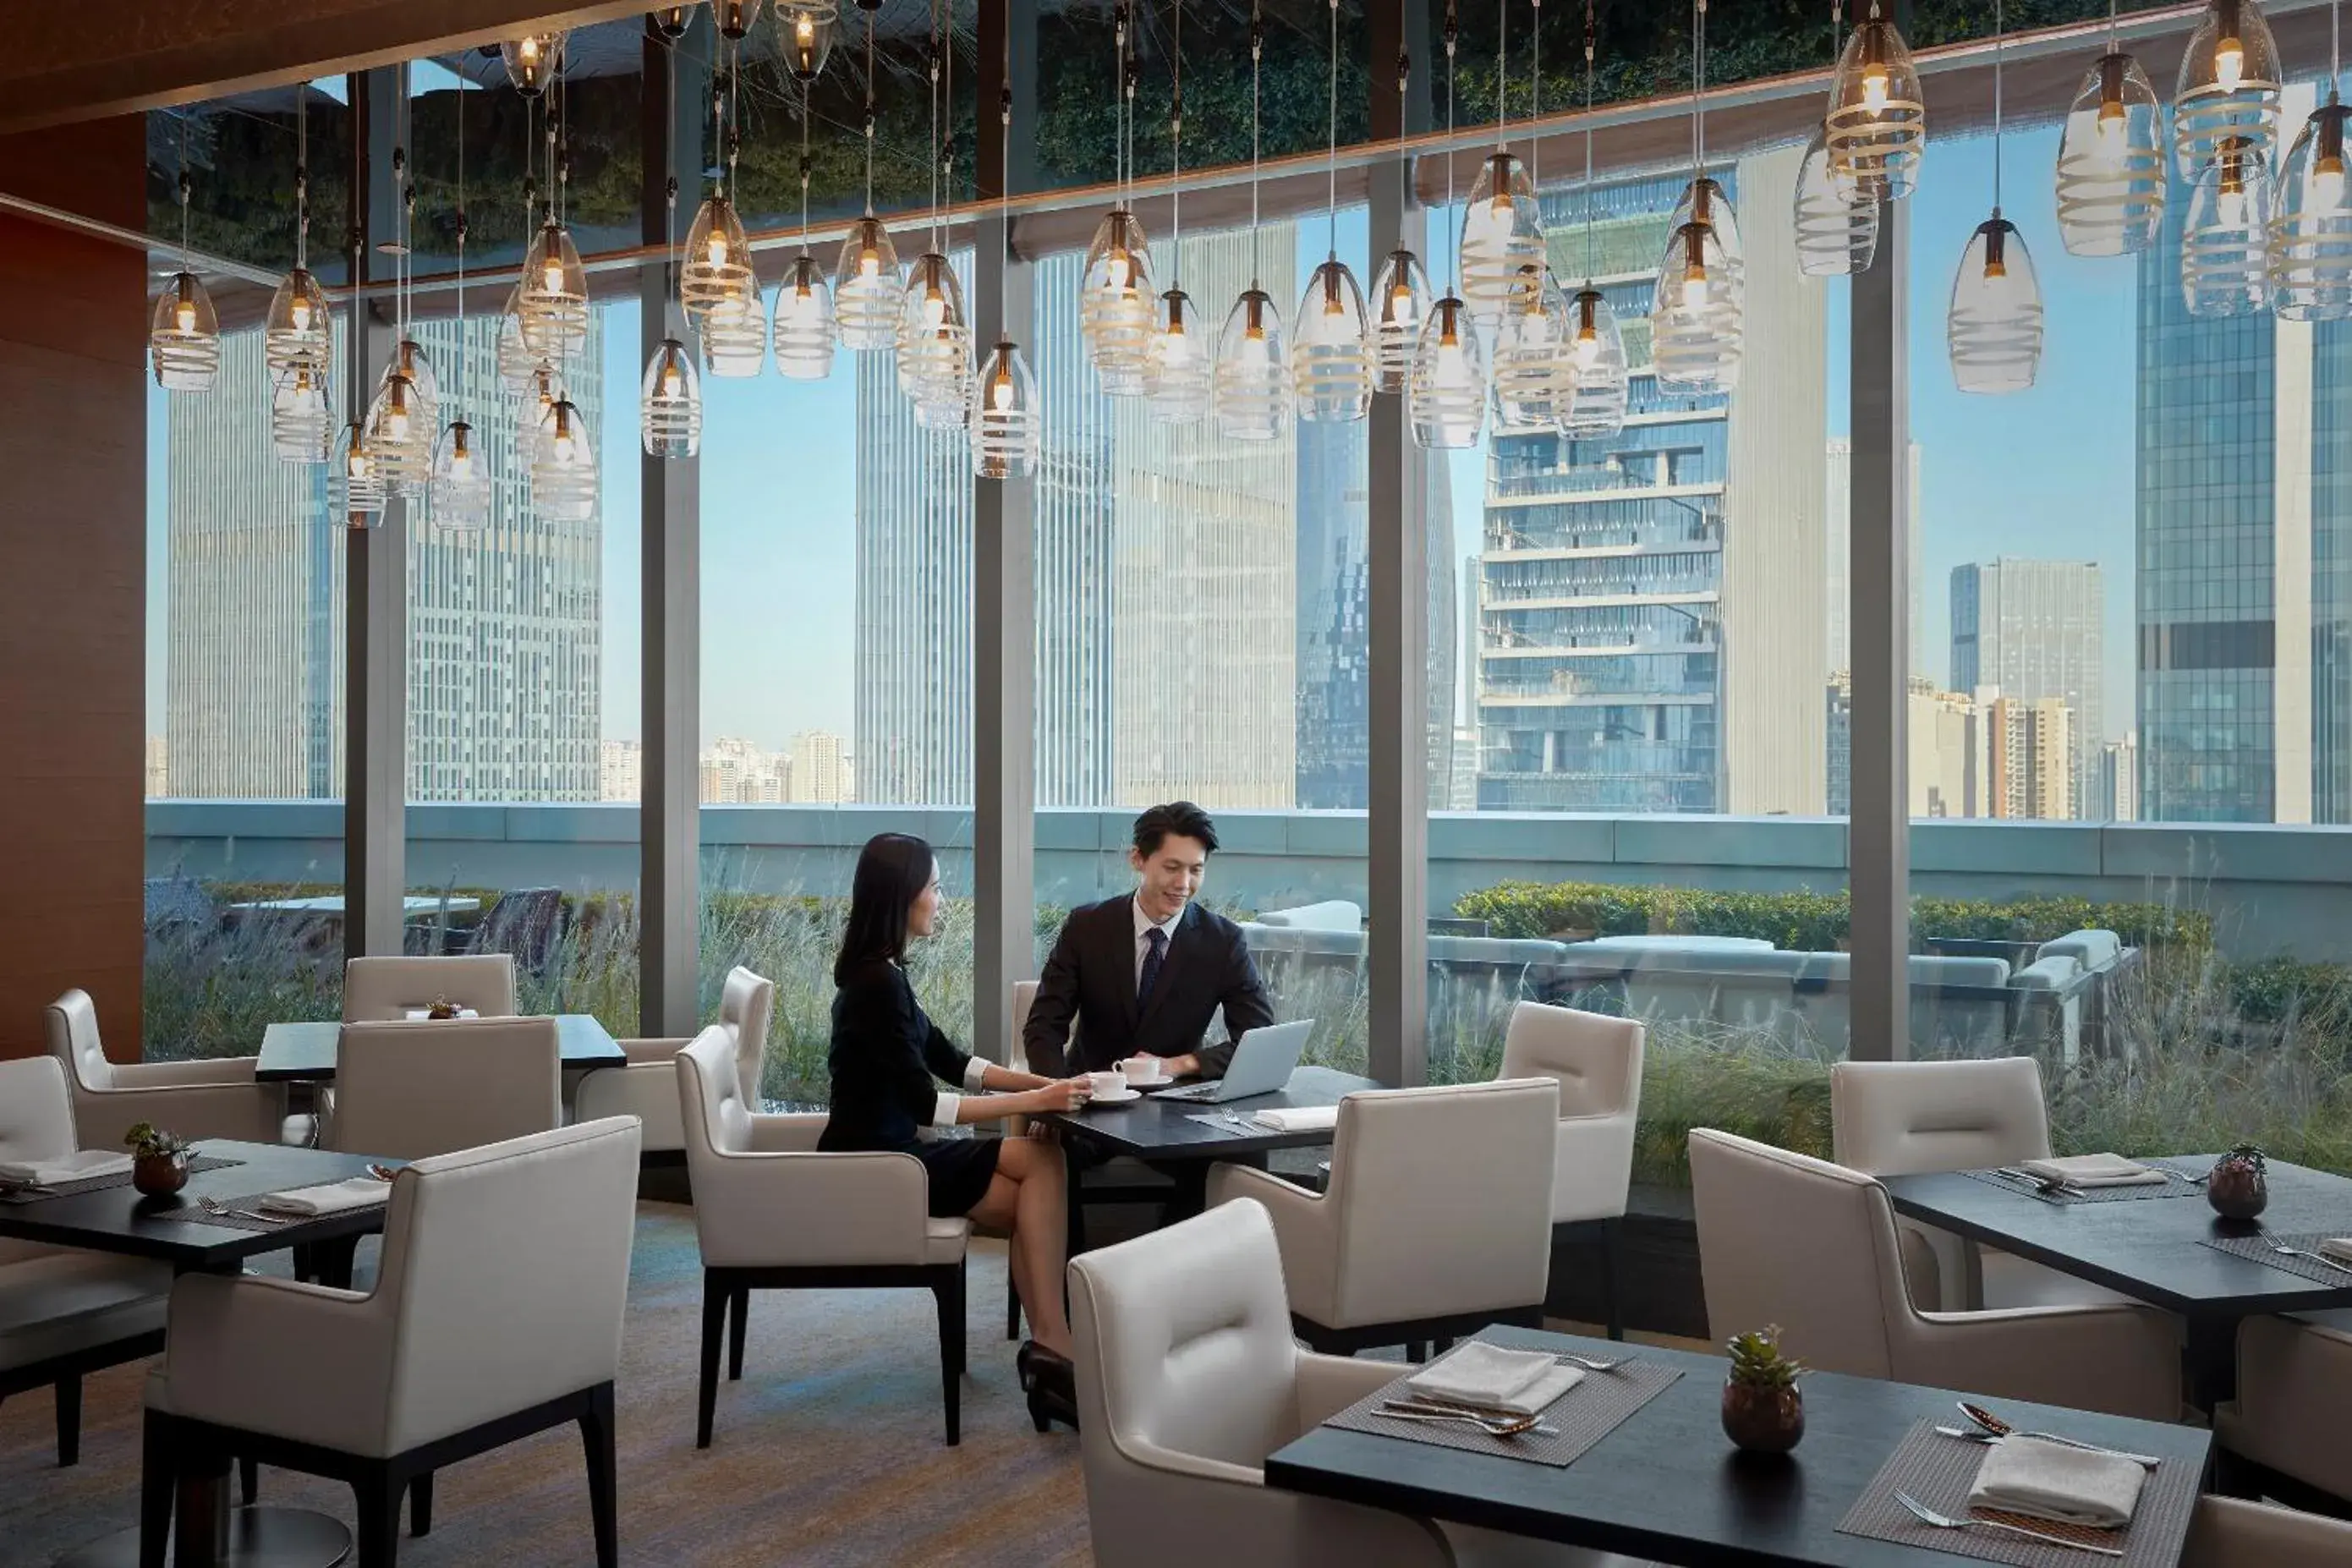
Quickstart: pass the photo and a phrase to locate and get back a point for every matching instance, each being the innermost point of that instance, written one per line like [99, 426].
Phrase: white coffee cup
[1108, 1083]
[1143, 1070]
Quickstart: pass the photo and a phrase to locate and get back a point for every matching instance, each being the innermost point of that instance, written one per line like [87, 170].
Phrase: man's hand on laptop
[1185, 1066]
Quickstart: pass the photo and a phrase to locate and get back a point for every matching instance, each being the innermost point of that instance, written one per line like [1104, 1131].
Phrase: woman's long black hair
[893, 870]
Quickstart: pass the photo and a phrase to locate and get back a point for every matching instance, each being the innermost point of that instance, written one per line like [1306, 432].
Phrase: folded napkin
[415, 1012]
[1489, 1377]
[1300, 1119]
[334, 1197]
[2053, 1481]
[2339, 1247]
[76, 1166]
[2094, 1170]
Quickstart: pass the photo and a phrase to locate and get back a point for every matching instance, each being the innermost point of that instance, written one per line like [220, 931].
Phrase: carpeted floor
[829, 1450]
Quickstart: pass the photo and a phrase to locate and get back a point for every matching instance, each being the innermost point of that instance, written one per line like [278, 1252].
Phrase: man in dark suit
[1143, 975]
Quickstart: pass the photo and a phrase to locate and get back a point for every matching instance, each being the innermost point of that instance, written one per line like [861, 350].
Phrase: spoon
[1997, 1428]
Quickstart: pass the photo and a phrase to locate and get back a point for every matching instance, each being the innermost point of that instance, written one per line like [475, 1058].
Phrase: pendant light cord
[1698, 88]
[1997, 14]
[1592, 238]
[464, 344]
[669, 186]
[1404, 108]
[807, 93]
[187, 259]
[1176, 155]
[2334, 46]
[302, 174]
[1502, 79]
[947, 108]
[935, 125]
[1005, 183]
[1452, 69]
[1257, 54]
[869, 110]
[1535, 101]
[1332, 122]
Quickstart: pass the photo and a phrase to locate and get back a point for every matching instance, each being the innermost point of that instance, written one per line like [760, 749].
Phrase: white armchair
[408, 1090]
[1784, 1239]
[647, 1088]
[1597, 1061]
[378, 989]
[1436, 1222]
[2286, 1424]
[496, 1313]
[772, 1214]
[215, 1098]
[2227, 1533]
[64, 1313]
[1902, 1119]
[1189, 1378]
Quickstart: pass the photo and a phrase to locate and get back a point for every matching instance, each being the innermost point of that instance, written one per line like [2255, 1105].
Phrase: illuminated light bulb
[1116, 305]
[2229, 64]
[1876, 125]
[2228, 88]
[716, 273]
[552, 303]
[1251, 386]
[355, 488]
[1502, 234]
[2112, 183]
[1587, 348]
[1446, 399]
[802, 329]
[670, 408]
[2111, 135]
[1399, 304]
[183, 316]
[1694, 284]
[533, 60]
[867, 290]
[1873, 89]
[808, 36]
[296, 333]
[1007, 432]
[398, 439]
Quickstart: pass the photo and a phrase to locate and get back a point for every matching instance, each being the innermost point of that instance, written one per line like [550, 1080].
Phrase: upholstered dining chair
[496, 1314]
[379, 989]
[770, 1212]
[1788, 1240]
[1596, 1060]
[1436, 1221]
[436, 1086]
[213, 1099]
[1907, 1118]
[64, 1313]
[2283, 1432]
[2227, 1533]
[647, 1088]
[1189, 1377]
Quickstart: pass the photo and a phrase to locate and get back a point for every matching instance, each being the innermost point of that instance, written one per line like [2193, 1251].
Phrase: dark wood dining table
[121, 1220]
[305, 1052]
[1667, 1487]
[2151, 1249]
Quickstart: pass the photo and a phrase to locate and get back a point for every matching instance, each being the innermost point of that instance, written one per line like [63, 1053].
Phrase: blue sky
[2047, 472]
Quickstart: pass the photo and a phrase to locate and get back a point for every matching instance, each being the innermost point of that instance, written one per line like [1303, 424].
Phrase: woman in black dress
[887, 1061]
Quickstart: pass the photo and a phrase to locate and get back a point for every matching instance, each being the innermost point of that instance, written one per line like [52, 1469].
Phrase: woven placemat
[1581, 1416]
[1215, 1122]
[2182, 1185]
[198, 1214]
[2260, 1248]
[1939, 1472]
[99, 1184]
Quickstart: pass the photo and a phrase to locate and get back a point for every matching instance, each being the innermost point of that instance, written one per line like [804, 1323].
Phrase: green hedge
[1810, 922]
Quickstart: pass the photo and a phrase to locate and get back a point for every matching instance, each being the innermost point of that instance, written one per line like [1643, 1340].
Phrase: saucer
[1120, 1098]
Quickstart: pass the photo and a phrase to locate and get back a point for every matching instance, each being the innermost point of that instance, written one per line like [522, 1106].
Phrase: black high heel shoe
[1053, 1397]
[1029, 1358]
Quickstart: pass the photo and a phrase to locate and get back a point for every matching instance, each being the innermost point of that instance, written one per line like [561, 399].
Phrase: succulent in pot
[1763, 1409]
[442, 1008]
[2239, 1187]
[159, 1160]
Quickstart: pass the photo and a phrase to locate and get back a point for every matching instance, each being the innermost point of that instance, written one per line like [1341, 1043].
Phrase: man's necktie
[1156, 952]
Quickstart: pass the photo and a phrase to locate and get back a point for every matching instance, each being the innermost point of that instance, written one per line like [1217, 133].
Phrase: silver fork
[2314, 1256]
[1590, 1364]
[214, 1205]
[1928, 1516]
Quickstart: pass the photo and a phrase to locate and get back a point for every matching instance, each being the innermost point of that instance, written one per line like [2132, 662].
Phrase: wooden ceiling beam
[64, 64]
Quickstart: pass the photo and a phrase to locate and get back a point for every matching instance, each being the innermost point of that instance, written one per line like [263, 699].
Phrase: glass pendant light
[803, 328]
[184, 336]
[459, 488]
[1399, 301]
[1115, 292]
[1446, 397]
[717, 289]
[672, 21]
[400, 432]
[516, 362]
[1249, 390]
[934, 334]
[2111, 175]
[2311, 228]
[806, 27]
[1534, 368]
[1181, 368]
[2225, 236]
[532, 61]
[1597, 412]
[1837, 230]
[1331, 363]
[563, 465]
[669, 401]
[1993, 329]
[2229, 89]
[1699, 308]
[1502, 231]
[408, 358]
[295, 334]
[868, 289]
[717, 269]
[552, 302]
[1007, 431]
[734, 339]
[355, 488]
[301, 425]
[735, 18]
[539, 397]
[1876, 127]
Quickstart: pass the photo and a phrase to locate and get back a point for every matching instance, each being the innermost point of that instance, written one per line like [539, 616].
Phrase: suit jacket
[1089, 981]
[888, 1060]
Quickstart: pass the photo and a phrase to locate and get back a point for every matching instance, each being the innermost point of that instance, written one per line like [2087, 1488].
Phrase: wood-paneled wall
[73, 633]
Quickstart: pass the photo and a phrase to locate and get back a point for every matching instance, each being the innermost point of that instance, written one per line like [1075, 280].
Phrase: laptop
[1262, 1063]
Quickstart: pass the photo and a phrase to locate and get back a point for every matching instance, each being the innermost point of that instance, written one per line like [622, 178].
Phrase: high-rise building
[1652, 605]
[1838, 518]
[1945, 757]
[2118, 795]
[504, 678]
[620, 771]
[822, 772]
[2036, 629]
[2031, 756]
[159, 768]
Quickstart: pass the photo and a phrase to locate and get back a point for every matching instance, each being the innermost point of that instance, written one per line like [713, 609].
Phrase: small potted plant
[159, 1160]
[2238, 1187]
[442, 1008]
[1763, 1409]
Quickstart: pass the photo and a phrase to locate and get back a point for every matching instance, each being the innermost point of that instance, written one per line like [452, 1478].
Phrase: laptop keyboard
[1198, 1092]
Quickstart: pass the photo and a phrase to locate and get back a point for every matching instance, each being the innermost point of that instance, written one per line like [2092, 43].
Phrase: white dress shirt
[943, 1113]
[1144, 926]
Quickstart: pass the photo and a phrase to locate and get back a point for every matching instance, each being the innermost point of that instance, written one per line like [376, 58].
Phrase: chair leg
[1012, 1300]
[420, 1504]
[596, 1435]
[248, 1479]
[158, 1484]
[1613, 1259]
[714, 1329]
[739, 1319]
[947, 1290]
[377, 1494]
[1416, 1351]
[1441, 1345]
[69, 1419]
